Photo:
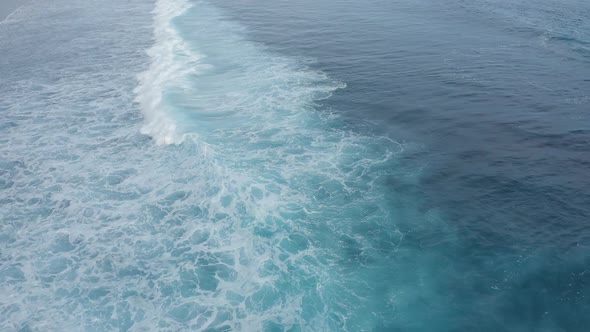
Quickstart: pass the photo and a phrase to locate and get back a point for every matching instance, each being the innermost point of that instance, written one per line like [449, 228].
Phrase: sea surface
[7, 7]
[400, 165]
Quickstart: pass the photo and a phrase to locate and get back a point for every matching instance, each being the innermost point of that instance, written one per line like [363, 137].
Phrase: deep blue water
[298, 165]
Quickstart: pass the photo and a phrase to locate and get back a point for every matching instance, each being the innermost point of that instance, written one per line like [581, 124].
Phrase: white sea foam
[171, 60]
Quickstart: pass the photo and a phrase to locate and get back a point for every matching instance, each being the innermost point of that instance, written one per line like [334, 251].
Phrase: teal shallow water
[187, 165]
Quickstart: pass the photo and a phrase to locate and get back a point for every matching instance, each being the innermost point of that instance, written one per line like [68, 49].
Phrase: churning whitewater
[197, 165]
[279, 178]
[252, 207]
[171, 62]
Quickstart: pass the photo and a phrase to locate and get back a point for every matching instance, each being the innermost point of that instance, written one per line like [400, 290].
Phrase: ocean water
[187, 165]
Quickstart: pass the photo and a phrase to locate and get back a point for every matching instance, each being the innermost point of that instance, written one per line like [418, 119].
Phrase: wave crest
[171, 61]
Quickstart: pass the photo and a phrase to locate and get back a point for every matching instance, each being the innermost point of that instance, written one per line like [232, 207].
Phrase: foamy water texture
[171, 63]
[189, 165]
[246, 205]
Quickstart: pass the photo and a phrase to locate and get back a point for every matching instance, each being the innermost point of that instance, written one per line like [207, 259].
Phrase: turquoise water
[296, 166]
